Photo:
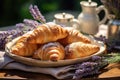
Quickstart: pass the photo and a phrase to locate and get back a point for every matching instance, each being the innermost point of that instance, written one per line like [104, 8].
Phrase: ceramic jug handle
[75, 24]
[98, 10]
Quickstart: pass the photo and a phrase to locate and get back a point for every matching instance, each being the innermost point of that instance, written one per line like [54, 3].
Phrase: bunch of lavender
[93, 65]
[32, 23]
[90, 67]
[37, 14]
[113, 7]
[7, 36]
[27, 25]
[21, 28]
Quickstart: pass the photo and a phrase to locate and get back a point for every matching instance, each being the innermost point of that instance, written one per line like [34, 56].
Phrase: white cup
[66, 19]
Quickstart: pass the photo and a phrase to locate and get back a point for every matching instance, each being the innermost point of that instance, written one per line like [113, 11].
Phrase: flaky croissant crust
[46, 33]
[53, 51]
[74, 36]
[22, 48]
[80, 49]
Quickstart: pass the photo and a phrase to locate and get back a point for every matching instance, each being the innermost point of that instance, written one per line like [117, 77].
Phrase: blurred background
[14, 11]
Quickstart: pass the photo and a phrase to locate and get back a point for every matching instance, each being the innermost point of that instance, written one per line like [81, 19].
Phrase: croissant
[46, 33]
[22, 48]
[53, 51]
[74, 36]
[80, 49]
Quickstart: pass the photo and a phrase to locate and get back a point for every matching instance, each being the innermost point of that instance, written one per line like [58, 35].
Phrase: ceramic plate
[39, 63]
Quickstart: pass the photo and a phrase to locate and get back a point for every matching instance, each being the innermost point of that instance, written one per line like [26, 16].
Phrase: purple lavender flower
[20, 25]
[31, 23]
[39, 14]
[85, 65]
[79, 73]
[36, 14]
[33, 13]
[7, 36]
[96, 58]
[86, 68]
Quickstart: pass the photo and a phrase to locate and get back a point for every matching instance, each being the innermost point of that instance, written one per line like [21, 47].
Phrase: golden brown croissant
[74, 36]
[46, 33]
[53, 51]
[22, 48]
[80, 49]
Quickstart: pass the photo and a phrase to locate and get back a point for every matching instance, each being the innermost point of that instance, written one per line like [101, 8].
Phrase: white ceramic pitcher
[89, 19]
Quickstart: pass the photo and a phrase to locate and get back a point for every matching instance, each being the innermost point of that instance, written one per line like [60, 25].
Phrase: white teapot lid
[63, 16]
[89, 4]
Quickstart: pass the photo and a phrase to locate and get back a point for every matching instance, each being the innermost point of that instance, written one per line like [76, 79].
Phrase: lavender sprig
[32, 23]
[35, 12]
[94, 64]
[86, 68]
[20, 26]
[90, 67]
[27, 25]
[7, 36]
[96, 58]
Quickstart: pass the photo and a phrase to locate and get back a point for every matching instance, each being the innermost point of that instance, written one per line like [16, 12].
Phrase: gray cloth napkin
[59, 72]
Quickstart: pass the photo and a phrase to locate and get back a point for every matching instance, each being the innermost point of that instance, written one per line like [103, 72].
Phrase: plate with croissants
[51, 45]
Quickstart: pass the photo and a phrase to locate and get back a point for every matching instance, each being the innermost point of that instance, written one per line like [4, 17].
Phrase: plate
[39, 63]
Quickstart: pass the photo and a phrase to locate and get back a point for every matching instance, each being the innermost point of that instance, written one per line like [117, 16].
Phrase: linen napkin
[58, 72]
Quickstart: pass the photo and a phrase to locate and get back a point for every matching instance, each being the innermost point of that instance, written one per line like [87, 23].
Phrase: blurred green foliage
[14, 11]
